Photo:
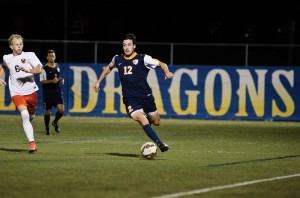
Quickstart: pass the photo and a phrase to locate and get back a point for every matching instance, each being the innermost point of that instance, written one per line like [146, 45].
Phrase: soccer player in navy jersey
[133, 69]
[52, 91]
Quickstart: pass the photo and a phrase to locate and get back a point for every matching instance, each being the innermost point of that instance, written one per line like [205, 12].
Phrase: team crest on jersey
[23, 60]
[135, 61]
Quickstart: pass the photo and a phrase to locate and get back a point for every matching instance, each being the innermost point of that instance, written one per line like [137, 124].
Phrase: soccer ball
[149, 150]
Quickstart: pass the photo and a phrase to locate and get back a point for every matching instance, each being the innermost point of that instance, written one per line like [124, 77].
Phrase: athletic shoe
[163, 147]
[48, 132]
[32, 147]
[57, 129]
[31, 117]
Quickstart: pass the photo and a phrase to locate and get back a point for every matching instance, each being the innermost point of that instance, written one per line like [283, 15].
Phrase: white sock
[27, 125]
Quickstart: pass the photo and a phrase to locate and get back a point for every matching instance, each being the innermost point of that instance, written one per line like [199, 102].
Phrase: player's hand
[2, 82]
[61, 80]
[168, 75]
[96, 87]
[55, 80]
[24, 69]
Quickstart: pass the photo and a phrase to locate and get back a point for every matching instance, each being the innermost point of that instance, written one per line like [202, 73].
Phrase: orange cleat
[32, 147]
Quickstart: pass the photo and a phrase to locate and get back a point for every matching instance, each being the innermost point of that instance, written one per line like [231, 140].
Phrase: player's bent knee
[156, 123]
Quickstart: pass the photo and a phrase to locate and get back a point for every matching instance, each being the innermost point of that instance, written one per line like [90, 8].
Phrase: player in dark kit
[133, 70]
[52, 91]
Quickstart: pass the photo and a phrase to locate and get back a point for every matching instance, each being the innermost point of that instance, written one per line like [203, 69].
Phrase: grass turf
[100, 157]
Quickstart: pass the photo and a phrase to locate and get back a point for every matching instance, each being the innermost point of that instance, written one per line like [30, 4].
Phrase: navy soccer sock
[57, 116]
[152, 134]
[47, 120]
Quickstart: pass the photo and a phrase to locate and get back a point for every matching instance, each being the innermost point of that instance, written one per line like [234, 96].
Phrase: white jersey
[20, 82]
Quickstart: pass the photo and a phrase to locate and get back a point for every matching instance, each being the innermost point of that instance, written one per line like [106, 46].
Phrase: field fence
[70, 51]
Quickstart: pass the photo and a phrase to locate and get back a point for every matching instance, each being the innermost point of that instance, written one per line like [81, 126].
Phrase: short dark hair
[129, 36]
[50, 51]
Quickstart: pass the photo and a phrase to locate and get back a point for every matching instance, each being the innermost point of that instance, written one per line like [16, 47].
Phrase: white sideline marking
[204, 190]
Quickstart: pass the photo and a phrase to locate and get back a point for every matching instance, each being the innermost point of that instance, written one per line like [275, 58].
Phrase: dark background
[211, 32]
[210, 21]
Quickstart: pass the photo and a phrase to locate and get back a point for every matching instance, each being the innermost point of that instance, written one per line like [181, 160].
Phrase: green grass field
[100, 157]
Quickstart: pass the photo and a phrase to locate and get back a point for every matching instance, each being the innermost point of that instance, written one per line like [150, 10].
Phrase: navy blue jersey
[52, 92]
[49, 73]
[133, 76]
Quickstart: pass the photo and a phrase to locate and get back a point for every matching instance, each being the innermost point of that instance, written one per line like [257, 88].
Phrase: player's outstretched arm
[35, 70]
[2, 82]
[105, 72]
[2, 71]
[165, 68]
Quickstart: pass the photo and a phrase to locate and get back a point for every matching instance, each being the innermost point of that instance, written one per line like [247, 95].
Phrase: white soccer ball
[149, 150]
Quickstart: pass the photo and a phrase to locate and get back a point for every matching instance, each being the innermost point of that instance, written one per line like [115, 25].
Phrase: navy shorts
[52, 100]
[133, 105]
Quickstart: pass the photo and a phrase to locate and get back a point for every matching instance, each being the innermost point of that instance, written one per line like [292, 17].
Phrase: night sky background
[258, 22]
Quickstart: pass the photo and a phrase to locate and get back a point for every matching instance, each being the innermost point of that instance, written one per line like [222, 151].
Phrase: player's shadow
[254, 160]
[123, 154]
[13, 150]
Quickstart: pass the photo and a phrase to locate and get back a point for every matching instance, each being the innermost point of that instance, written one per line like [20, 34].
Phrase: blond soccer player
[23, 89]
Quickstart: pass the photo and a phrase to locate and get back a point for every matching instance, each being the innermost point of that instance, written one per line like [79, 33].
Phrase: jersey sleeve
[34, 60]
[112, 64]
[43, 75]
[57, 68]
[150, 62]
[5, 58]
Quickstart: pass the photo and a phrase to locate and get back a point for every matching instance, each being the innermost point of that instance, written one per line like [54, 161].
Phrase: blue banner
[199, 92]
